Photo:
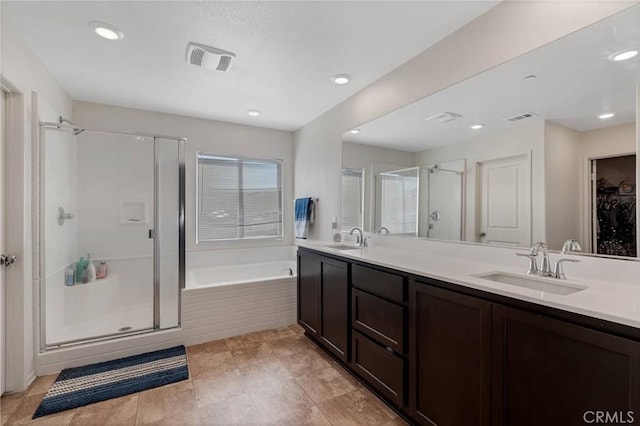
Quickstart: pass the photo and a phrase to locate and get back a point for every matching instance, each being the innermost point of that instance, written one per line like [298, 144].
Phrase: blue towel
[304, 207]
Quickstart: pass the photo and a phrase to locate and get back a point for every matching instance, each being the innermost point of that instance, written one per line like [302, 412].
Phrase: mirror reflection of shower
[115, 268]
[396, 199]
[442, 205]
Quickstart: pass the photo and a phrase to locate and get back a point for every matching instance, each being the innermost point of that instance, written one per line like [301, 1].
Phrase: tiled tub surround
[271, 377]
[613, 285]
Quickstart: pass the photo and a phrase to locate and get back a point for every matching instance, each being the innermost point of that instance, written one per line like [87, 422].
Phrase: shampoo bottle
[101, 271]
[70, 275]
[91, 269]
[79, 269]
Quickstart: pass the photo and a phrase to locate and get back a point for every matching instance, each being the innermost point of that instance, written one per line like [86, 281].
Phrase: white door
[445, 204]
[2, 243]
[505, 201]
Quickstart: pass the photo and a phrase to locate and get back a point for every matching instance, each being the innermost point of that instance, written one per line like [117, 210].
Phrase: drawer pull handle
[388, 349]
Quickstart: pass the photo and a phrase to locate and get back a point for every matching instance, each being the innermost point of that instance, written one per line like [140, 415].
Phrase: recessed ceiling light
[476, 126]
[254, 112]
[355, 131]
[341, 79]
[623, 55]
[605, 115]
[105, 30]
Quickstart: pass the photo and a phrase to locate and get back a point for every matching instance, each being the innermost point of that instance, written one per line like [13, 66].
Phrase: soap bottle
[70, 275]
[79, 269]
[101, 271]
[91, 269]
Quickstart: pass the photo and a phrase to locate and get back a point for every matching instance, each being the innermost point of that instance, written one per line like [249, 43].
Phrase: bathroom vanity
[446, 352]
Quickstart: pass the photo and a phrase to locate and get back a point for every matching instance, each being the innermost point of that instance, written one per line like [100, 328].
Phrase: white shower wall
[60, 191]
[113, 169]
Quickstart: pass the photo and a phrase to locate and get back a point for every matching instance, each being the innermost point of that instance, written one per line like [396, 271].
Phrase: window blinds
[238, 198]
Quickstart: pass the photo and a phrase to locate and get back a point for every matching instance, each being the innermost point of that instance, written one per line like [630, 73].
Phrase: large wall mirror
[541, 148]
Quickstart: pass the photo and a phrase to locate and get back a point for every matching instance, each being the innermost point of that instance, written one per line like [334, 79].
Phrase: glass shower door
[104, 182]
[445, 204]
[397, 201]
[111, 234]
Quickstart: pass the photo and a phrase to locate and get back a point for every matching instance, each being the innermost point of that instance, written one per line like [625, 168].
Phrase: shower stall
[115, 200]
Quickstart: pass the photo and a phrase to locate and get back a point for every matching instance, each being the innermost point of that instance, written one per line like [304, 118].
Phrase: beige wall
[562, 185]
[207, 136]
[373, 160]
[506, 31]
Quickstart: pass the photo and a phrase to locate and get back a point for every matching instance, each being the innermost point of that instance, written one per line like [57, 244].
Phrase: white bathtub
[232, 292]
[239, 274]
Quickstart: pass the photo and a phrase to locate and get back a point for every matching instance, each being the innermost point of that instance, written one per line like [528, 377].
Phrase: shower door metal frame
[40, 226]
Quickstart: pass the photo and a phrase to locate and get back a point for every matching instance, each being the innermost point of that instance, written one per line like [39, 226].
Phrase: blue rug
[80, 386]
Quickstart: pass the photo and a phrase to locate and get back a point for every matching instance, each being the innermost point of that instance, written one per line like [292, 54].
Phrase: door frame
[19, 313]
[478, 189]
[587, 193]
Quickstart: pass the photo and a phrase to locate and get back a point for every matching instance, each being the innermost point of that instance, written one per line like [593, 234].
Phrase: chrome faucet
[359, 238]
[558, 271]
[571, 246]
[383, 228]
[545, 267]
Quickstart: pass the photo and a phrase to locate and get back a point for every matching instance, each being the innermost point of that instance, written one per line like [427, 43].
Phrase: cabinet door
[309, 293]
[379, 319]
[449, 357]
[549, 372]
[334, 307]
[381, 368]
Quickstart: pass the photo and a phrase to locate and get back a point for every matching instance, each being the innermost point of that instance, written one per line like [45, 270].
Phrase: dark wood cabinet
[443, 354]
[384, 284]
[381, 368]
[550, 372]
[450, 357]
[334, 306]
[379, 319]
[309, 271]
[323, 301]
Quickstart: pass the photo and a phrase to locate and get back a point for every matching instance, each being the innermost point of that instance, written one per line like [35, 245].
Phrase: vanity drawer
[380, 368]
[379, 319]
[383, 284]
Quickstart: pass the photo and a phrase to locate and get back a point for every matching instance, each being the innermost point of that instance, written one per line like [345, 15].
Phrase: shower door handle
[151, 233]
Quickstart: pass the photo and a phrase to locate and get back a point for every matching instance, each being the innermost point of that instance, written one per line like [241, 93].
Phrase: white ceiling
[575, 82]
[286, 51]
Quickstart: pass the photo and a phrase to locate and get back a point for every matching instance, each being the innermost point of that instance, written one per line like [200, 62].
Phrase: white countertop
[614, 301]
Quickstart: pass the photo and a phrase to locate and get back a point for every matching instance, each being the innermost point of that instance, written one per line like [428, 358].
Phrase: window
[352, 198]
[238, 198]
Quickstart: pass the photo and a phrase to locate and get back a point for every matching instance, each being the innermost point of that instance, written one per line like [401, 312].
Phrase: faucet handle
[558, 270]
[533, 264]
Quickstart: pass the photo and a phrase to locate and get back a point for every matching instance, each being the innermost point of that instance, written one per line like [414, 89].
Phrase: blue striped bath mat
[80, 386]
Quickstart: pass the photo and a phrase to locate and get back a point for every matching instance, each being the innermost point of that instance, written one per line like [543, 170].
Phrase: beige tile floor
[274, 377]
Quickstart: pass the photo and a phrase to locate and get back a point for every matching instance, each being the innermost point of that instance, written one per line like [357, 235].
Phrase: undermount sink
[342, 247]
[534, 283]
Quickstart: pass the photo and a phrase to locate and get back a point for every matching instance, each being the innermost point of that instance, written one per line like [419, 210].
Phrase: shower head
[76, 130]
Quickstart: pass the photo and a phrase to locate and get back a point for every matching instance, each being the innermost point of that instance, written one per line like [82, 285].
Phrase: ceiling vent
[521, 117]
[209, 57]
[443, 117]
